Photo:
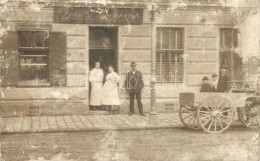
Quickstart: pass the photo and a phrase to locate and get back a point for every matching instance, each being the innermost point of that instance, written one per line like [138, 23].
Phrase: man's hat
[223, 67]
[133, 64]
[205, 78]
[214, 75]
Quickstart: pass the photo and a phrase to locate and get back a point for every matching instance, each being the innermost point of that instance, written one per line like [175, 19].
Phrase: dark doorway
[103, 44]
[103, 47]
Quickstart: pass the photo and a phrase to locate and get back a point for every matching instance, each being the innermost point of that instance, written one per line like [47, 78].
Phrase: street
[238, 143]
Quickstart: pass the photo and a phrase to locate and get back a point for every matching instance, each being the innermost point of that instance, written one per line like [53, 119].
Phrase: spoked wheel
[249, 116]
[188, 116]
[215, 114]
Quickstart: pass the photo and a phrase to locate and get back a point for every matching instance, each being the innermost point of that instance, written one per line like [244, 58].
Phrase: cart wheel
[188, 116]
[248, 118]
[215, 114]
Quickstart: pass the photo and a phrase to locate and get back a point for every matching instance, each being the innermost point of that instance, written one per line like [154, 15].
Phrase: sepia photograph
[129, 80]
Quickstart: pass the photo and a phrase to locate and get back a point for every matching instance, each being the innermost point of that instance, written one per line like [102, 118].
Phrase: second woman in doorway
[110, 96]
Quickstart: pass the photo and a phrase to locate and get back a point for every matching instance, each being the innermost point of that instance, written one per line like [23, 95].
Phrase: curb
[95, 129]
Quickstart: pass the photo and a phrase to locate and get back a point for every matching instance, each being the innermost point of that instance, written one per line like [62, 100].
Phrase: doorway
[103, 47]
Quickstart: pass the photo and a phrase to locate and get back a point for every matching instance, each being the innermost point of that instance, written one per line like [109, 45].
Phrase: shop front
[46, 55]
[48, 60]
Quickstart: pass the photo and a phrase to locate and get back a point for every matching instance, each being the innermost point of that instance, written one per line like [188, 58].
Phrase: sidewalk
[70, 123]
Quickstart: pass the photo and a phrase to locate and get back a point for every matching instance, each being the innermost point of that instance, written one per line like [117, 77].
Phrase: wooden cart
[214, 112]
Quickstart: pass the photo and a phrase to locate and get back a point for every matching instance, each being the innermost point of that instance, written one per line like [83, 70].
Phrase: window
[228, 53]
[169, 54]
[33, 57]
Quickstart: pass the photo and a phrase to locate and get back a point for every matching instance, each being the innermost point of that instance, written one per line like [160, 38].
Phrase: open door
[103, 47]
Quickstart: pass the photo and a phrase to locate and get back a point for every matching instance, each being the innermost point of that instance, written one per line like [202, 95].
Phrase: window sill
[34, 48]
[34, 83]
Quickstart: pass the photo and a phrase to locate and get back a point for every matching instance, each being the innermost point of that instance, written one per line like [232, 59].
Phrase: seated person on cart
[253, 101]
[214, 83]
[206, 87]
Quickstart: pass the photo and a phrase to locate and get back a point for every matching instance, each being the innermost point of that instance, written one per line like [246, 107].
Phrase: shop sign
[98, 15]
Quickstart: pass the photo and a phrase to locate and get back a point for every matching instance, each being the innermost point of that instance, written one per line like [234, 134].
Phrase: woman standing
[110, 97]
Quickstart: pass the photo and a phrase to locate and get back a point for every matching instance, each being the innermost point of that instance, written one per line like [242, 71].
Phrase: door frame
[118, 56]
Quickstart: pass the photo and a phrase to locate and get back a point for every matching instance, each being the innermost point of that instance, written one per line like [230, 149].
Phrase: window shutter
[58, 58]
[9, 67]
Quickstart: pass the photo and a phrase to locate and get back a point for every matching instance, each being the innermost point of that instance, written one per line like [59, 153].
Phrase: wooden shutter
[58, 58]
[9, 67]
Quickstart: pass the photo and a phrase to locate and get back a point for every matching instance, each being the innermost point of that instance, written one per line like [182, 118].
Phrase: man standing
[96, 77]
[134, 85]
[224, 80]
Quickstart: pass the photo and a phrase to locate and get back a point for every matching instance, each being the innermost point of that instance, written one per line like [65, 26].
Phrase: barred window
[169, 54]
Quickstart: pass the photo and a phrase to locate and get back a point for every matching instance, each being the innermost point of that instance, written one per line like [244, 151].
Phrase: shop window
[169, 54]
[33, 58]
[228, 53]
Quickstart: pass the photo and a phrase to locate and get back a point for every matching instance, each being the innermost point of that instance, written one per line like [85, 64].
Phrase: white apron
[96, 79]
[110, 94]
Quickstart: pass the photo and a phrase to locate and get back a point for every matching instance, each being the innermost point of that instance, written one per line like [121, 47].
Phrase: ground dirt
[144, 145]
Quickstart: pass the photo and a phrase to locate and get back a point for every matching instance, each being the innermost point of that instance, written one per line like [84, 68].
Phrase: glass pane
[165, 67]
[158, 38]
[173, 39]
[176, 39]
[41, 39]
[162, 66]
[26, 39]
[176, 73]
[180, 39]
[172, 71]
[103, 38]
[179, 72]
[158, 67]
[33, 66]
[165, 38]
[235, 38]
[226, 39]
[34, 39]
[33, 72]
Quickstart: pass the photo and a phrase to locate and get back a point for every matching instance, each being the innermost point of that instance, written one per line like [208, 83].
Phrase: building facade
[48, 49]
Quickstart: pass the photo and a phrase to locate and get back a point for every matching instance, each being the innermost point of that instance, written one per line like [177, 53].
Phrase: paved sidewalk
[69, 123]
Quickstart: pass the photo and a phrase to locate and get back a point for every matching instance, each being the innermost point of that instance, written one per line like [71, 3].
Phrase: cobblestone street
[237, 144]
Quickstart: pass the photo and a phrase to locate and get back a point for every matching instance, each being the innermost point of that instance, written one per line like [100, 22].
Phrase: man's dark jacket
[206, 88]
[134, 82]
[223, 83]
